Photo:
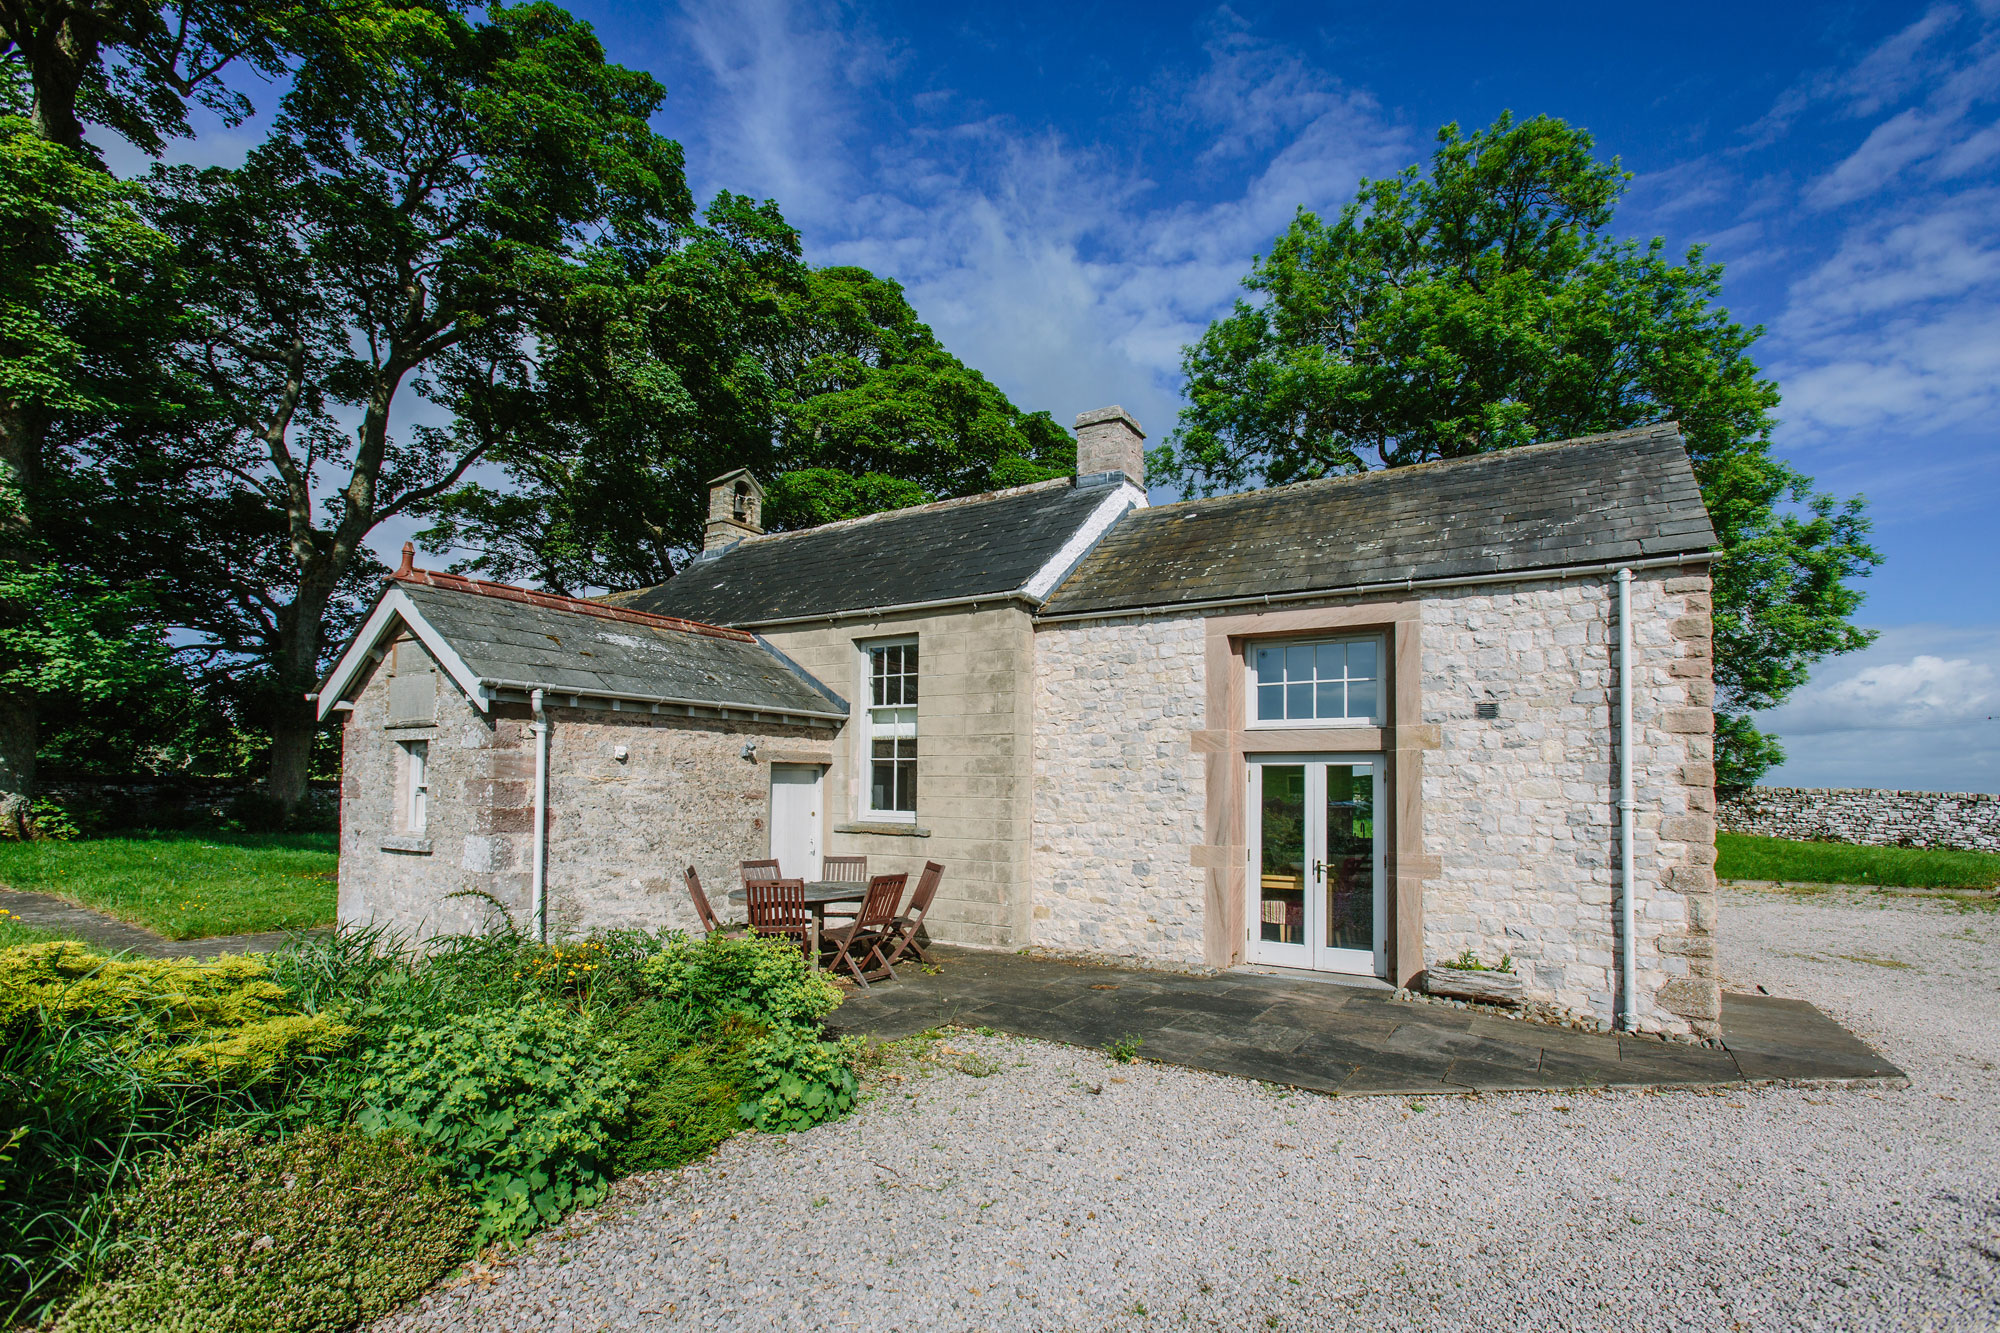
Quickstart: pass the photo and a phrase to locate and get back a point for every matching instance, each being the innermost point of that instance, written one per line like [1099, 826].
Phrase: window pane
[1270, 702]
[1361, 658]
[1270, 664]
[1299, 700]
[875, 681]
[1329, 661]
[1361, 696]
[1299, 662]
[1330, 703]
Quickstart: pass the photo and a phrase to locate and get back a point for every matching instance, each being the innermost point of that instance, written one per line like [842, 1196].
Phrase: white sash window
[890, 725]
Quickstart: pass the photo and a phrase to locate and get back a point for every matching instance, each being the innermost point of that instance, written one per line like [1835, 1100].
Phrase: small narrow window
[416, 785]
[1337, 680]
[892, 729]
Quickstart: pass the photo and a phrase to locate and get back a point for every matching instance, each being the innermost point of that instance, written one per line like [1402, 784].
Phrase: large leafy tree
[84, 301]
[1486, 303]
[75, 355]
[364, 296]
[732, 352]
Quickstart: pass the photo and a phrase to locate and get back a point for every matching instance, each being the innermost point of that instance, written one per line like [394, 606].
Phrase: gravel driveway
[1031, 1186]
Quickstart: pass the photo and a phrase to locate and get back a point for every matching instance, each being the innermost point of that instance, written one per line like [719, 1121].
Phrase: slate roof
[989, 544]
[1623, 496]
[521, 638]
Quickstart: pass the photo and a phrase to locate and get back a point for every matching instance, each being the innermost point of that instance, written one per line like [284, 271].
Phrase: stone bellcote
[735, 510]
[1109, 440]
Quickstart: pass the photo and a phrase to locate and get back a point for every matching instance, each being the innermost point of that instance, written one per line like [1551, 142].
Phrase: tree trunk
[294, 718]
[19, 732]
[17, 762]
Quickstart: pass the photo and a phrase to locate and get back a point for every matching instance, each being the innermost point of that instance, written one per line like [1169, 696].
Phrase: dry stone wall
[1868, 816]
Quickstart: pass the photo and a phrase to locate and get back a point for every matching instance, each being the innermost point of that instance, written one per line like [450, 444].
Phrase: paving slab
[1346, 1040]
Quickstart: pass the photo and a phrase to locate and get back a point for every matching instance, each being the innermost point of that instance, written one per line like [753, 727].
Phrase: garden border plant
[517, 1079]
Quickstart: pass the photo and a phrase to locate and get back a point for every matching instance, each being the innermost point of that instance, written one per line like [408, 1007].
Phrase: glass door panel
[1316, 899]
[1347, 869]
[1282, 877]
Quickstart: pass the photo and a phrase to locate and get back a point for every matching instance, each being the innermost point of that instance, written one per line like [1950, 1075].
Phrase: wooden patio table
[819, 894]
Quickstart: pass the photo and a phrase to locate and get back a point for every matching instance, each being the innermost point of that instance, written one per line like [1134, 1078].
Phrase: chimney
[735, 510]
[1109, 440]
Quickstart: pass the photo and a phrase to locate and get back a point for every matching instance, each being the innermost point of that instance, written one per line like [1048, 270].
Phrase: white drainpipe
[1627, 927]
[541, 730]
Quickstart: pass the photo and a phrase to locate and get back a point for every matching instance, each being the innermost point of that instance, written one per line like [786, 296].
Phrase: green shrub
[309, 1234]
[685, 1090]
[796, 1081]
[523, 1107]
[764, 980]
[104, 1062]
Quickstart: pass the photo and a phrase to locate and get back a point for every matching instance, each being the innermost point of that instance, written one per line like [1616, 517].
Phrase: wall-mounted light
[620, 753]
[749, 749]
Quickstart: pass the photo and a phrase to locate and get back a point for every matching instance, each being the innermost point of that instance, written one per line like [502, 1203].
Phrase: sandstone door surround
[1401, 742]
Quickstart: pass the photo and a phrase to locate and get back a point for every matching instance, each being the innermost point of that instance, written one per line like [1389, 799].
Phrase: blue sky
[1071, 192]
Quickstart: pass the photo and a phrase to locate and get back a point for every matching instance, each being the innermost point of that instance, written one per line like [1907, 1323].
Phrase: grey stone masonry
[621, 828]
[1518, 809]
[1521, 808]
[1868, 816]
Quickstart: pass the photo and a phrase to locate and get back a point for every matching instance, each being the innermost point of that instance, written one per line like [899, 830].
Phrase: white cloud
[1920, 708]
[1924, 693]
[1060, 268]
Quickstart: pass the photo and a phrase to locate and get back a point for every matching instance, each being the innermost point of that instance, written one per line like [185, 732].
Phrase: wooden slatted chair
[858, 948]
[778, 907]
[756, 870]
[843, 870]
[906, 926]
[709, 921]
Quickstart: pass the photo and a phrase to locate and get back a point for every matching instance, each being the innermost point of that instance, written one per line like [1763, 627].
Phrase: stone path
[47, 912]
[1336, 1038]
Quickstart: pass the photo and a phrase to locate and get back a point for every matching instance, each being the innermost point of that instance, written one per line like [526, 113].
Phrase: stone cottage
[1356, 725]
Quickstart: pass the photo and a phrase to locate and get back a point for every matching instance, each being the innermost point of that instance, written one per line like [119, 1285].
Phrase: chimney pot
[409, 565]
[1110, 440]
[735, 510]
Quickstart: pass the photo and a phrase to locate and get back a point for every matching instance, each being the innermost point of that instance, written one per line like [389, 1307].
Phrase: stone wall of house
[1868, 816]
[620, 830]
[402, 880]
[1521, 809]
[1518, 811]
[974, 728]
[1119, 793]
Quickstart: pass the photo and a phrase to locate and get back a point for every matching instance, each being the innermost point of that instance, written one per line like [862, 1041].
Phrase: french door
[1315, 883]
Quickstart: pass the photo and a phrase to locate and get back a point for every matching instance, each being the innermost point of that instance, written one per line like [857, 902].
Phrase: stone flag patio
[1334, 1038]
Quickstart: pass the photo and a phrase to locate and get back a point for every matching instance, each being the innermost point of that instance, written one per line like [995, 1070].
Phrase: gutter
[1393, 585]
[864, 613]
[535, 691]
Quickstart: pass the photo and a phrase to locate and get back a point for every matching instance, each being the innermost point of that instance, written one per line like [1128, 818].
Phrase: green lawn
[1741, 856]
[186, 886]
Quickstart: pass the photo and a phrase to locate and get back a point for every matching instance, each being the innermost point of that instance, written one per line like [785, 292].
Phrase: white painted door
[1315, 884]
[795, 819]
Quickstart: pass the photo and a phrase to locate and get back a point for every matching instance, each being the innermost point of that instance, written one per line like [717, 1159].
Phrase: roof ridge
[438, 578]
[930, 506]
[1659, 429]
